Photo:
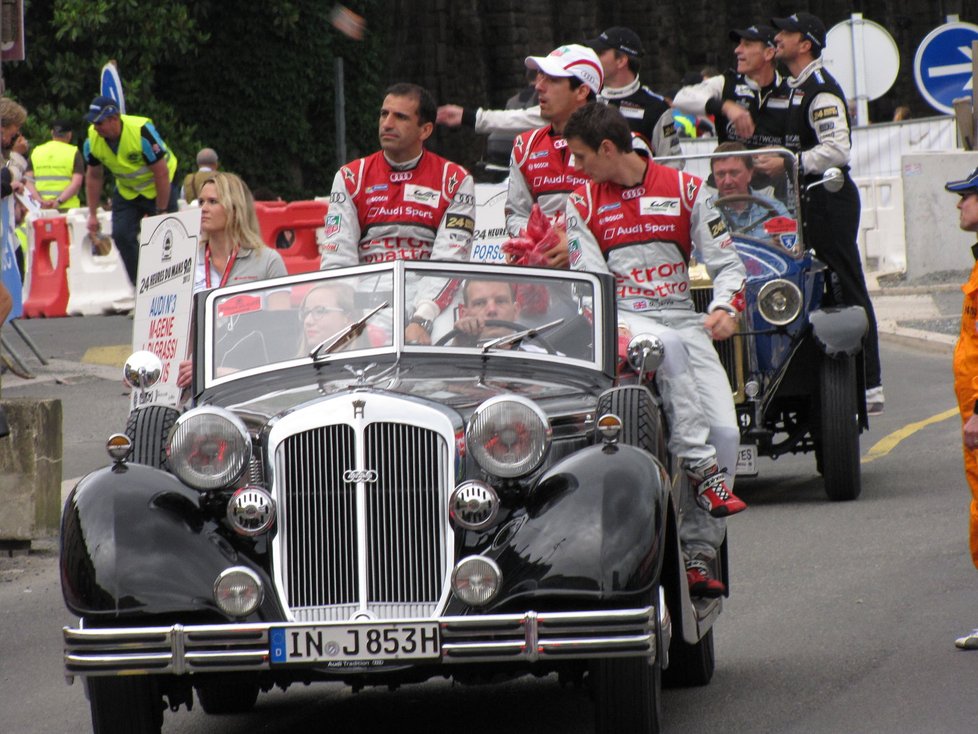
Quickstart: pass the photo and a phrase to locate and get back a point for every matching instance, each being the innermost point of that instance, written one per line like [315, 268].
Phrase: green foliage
[253, 80]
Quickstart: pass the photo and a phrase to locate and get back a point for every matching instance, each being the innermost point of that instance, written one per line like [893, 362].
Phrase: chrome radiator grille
[380, 548]
[731, 350]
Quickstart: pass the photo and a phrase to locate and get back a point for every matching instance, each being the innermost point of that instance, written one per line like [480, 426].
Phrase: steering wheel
[769, 213]
[514, 325]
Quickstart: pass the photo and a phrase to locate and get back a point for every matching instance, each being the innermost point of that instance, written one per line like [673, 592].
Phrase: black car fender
[839, 330]
[594, 526]
[136, 542]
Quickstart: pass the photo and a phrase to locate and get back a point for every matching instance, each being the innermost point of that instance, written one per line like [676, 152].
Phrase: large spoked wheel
[690, 665]
[227, 695]
[514, 325]
[838, 445]
[627, 693]
[125, 705]
[149, 429]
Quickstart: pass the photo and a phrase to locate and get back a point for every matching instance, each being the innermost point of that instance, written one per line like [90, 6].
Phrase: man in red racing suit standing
[541, 169]
[402, 202]
[640, 221]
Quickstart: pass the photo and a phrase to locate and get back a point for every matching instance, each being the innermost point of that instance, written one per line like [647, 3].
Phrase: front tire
[227, 695]
[690, 665]
[125, 705]
[838, 445]
[627, 695]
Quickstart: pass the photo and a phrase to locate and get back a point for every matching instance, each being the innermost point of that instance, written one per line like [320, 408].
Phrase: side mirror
[645, 353]
[142, 370]
[833, 180]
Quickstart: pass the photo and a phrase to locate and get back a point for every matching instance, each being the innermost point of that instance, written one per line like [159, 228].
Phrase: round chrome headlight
[508, 436]
[473, 505]
[238, 591]
[779, 302]
[251, 511]
[476, 580]
[142, 370]
[209, 448]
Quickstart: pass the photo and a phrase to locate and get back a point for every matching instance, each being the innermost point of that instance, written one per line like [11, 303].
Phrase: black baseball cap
[755, 32]
[100, 108]
[620, 39]
[805, 23]
[968, 185]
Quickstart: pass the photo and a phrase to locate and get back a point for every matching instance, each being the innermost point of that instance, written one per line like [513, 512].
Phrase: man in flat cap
[818, 131]
[143, 168]
[966, 368]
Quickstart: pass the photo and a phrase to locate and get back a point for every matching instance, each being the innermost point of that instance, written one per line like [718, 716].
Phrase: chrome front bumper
[526, 637]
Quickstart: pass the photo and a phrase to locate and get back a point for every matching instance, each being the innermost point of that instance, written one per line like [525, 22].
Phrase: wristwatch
[423, 323]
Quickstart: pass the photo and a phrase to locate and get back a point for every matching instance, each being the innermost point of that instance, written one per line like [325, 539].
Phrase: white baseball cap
[571, 60]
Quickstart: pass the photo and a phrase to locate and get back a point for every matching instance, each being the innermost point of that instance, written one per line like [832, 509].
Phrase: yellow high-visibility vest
[132, 176]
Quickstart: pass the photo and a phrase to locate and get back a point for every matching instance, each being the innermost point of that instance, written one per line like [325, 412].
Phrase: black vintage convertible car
[339, 504]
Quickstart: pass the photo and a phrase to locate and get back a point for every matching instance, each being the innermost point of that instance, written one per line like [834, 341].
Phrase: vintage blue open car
[339, 504]
[796, 365]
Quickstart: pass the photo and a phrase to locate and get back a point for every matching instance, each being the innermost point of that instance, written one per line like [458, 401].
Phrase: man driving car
[732, 175]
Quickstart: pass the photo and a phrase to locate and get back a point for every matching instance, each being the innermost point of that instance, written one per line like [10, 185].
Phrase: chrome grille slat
[402, 520]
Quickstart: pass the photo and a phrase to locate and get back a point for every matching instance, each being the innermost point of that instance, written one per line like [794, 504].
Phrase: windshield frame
[206, 377]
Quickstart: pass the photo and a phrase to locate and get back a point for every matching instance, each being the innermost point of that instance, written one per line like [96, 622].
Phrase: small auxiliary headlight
[508, 436]
[118, 446]
[238, 591]
[209, 448]
[251, 511]
[779, 302]
[473, 505]
[645, 353]
[609, 426]
[476, 580]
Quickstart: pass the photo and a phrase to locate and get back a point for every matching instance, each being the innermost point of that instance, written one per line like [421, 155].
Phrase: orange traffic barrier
[49, 269]
[291, 230]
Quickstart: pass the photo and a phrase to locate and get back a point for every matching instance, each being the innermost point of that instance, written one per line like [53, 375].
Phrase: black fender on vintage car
[594, 528]
[136, 542]
[839, 330]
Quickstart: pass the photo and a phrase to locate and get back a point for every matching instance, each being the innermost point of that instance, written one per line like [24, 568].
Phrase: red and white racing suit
[644, 235]
[541, 170]
[378, 211]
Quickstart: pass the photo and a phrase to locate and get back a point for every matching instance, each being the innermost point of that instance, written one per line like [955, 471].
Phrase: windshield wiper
[345, 335]
[519, 336]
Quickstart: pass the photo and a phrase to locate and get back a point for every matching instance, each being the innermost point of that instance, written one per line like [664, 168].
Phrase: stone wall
[30, 469]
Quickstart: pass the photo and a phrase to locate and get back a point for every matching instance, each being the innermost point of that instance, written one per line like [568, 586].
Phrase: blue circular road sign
[112, 85]
[942, 65]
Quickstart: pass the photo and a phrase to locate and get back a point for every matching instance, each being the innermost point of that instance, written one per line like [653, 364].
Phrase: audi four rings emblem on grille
[351, 476]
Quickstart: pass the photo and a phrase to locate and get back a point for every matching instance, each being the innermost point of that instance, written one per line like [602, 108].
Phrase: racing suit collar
[403, 166]
[756, 86]
[621, 92]
[796, 81]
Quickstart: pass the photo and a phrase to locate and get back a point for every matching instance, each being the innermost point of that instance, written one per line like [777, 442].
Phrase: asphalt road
[842, 616]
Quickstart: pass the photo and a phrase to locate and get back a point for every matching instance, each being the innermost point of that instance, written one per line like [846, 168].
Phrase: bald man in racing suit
[402, 202]
[640, 221]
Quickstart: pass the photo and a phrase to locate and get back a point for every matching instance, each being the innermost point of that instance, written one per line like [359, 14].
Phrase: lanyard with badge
[227, 268]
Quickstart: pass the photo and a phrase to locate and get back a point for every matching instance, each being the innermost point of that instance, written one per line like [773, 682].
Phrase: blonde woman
[232, 250]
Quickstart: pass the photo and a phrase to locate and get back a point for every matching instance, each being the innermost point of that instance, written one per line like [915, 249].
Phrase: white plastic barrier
[881, 229]
[97, 284]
